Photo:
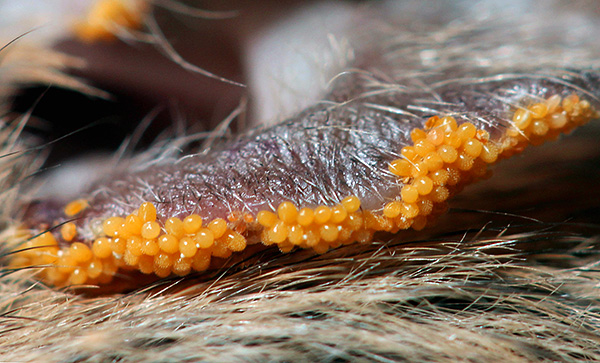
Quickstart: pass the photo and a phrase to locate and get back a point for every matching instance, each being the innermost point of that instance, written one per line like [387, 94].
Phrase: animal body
[509, 273]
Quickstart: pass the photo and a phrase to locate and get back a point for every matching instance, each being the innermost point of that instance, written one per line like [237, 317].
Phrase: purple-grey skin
[342, 145]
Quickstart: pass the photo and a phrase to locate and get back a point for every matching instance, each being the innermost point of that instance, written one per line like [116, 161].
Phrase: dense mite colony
[108, 16]
[444, 157]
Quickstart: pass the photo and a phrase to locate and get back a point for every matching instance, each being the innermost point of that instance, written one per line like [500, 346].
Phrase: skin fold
[508, 272]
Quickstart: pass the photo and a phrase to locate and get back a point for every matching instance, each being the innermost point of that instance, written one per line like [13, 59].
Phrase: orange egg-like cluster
[75, 207]
[106, 16]
[546, 120]
[318, 228]
[444, 157]
[135, 242]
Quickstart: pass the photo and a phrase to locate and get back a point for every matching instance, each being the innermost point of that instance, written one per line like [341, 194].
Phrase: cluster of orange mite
[444, 157]
[105, 17]
[135, 242]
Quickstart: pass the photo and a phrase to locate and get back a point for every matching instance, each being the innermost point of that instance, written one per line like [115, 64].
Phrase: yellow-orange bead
[48, 256]
[522, 118]
[539, 110]
[464, 162]
[345, 235]
[75, 207]
[130, 259]
[80, 252]
[68, 231]
[423, 147]
[78, 276]
[409, 210]
[296, 235]
[436, 136]
[409, 153]
[205, 238]
[161, 272]
[174, 226]
[400, 167]
[329, 232]
[133, 224]
[433, 121]
[419, 169]
[322, 214]
[134, 245]
[235, 241]
[433, 161]
[355, 221]
[351, 203]
[285, 247]
[248, 218]
[419, 223]
[569, 102]
[150, 247]
[306, 216]
[447, 153]
[448, 124]
[423, 184]
[56, 277]
[287, 212]
[409, 194]
[266, 219]
[439, 194]
[558, 120]
[417, 134]
[118, 245]
[453, 176]
[220, 249]
[101, 248]
[473, 147]
[182, 266]
[278, 233]
[163, 261]
[338, 214]
[109, 267]
[201, 261]
[45, 239]
[146, 264]
[540, 127]
[453, 140]
[482, 136]
[466, 131]
[489, 153]
[402, 222]
[425, 207]
[113, 226]
[392, 209]
[192, 223]
[218, 227]
[168, 243]
[439, 177]
[104, 15]
[363, 236]
[553, 102]
[321, 248]
[150, 230]
[94, 269]
[187, 246]
[147, 212]
[66, 263]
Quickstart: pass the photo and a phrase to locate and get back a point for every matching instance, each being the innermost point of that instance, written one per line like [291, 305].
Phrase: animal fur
[509, 274]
